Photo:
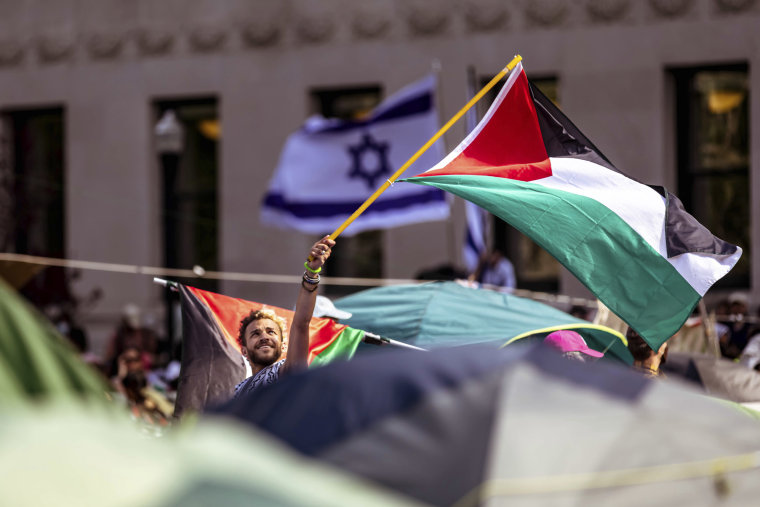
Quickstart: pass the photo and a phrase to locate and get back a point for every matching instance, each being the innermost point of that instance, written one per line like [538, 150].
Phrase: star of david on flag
[329, 167]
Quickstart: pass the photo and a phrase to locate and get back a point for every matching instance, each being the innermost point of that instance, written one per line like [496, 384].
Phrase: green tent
[66, 454]
[441, 314]
[35, 361]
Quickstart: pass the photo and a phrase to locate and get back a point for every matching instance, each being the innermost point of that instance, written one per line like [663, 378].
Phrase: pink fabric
[570, 341]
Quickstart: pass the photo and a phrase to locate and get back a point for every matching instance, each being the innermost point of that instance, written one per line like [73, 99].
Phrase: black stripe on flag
[683, 232]
[211, 366]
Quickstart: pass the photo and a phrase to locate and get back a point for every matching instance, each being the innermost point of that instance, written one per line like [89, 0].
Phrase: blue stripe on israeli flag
[329, 167]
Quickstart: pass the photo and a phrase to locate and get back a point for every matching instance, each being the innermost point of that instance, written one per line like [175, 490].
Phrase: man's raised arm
[298, 346]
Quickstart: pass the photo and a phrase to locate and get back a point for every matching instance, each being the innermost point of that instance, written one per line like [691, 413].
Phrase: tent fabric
[35, 361]
[441, 314]
[418, 375]
[517, 426]
[718, 377]
[70, 456]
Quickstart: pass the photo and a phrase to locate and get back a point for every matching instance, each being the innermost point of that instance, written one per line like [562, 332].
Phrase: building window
[712, 155]
[32, 214]
[360, 255]
[188, 152]
[187, 134]
[535, 268]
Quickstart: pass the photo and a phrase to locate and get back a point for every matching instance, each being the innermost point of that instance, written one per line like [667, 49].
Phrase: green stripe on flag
[343, 347]
[594, 243]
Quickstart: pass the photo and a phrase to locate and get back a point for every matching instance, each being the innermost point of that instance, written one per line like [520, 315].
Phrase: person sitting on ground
[145, 403]
[737, 329]
[262, 334]
[571, 345]
[645, 359]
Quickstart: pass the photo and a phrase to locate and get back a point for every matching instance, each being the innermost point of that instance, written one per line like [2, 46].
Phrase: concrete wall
[106, 61]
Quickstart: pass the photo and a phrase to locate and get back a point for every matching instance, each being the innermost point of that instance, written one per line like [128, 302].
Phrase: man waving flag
[212, 363]
[632, 245]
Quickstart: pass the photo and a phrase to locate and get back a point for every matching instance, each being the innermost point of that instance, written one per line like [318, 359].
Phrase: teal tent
[442, 314]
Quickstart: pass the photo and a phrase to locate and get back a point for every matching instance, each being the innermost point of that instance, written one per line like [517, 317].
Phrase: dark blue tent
[468, 425]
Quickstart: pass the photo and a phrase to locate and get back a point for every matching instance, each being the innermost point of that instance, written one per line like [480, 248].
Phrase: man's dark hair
[640, 350]
[258, 315]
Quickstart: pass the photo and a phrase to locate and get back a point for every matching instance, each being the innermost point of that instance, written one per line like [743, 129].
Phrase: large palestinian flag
[212, 364]
[632, 245]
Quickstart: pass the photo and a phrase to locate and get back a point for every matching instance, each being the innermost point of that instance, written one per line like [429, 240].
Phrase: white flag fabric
[329, 167]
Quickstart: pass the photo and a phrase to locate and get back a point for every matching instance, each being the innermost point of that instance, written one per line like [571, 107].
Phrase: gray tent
[717, 376]
[517, 426]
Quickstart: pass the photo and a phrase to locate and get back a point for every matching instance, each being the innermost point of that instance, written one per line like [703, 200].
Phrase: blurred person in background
[145, 403]
[130, 334]
[571, 345]
[495, 269]
[750, 356]
[580, 312]
[737, 330]
[645, 359]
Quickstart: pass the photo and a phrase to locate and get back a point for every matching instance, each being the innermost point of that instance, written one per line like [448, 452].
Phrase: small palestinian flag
[632, 245]
[212, 364]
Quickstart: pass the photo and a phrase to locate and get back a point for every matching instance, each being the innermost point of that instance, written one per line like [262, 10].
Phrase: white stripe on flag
[642, 208]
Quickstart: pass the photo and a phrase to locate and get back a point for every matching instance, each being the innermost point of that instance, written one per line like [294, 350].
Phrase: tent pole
[370, 338]
[373, 339]
[166, 283]
[713, 346]
[511, 65]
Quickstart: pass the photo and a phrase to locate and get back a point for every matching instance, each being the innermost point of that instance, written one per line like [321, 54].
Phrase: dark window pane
[712, 132]
[720, 115]
[190, 175]
[345, 103]
[360, 255]
[34, 177]
[549, 86]
[722, 205]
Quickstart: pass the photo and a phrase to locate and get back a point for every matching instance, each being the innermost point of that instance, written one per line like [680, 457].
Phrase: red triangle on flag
[507, 143]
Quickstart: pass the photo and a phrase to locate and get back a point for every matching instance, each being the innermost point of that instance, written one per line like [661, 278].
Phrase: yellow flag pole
[511, 65]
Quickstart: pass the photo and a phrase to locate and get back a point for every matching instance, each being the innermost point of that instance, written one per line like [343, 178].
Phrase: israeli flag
[329, 167]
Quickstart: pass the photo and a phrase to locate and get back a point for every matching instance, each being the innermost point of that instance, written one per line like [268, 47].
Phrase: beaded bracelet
[306, 286]
[315, 271]
[309, 279]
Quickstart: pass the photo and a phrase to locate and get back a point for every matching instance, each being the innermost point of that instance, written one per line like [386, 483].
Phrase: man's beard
[266, 360]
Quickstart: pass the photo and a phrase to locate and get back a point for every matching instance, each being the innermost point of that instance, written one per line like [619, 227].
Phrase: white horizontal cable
[261, 277]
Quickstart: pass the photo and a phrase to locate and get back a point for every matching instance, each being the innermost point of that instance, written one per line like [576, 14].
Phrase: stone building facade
[104, 71]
